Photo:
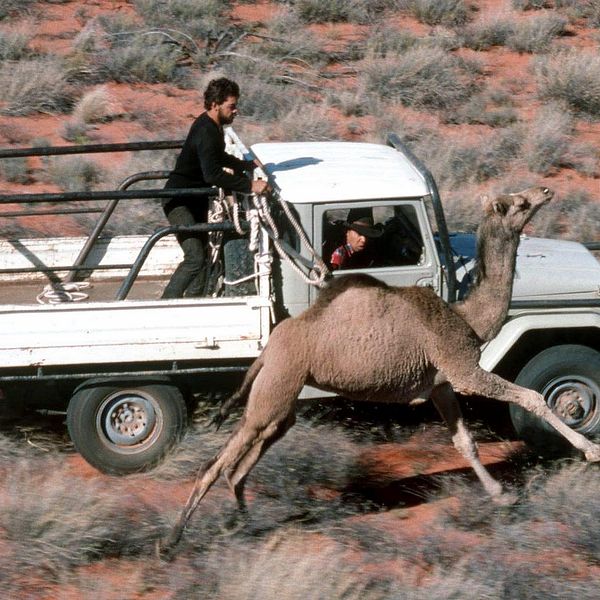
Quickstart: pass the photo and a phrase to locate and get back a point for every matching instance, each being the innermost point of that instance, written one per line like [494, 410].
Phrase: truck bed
[101, 330]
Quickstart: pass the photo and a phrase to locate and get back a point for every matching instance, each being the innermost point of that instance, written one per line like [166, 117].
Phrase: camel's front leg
[486, 384]
[447, 405]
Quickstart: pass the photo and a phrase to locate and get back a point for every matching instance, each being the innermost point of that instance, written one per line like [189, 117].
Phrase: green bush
[421, 78]
[571, 77]
[37, 85]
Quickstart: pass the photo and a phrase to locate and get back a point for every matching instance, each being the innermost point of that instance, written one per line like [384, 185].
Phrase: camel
[365, 340]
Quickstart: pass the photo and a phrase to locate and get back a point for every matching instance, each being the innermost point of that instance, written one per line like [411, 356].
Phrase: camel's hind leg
[486, 384]
[268, 415]
[447, 405]
[238, 473]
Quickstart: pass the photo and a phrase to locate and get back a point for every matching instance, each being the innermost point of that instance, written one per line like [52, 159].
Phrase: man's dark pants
[190, 276]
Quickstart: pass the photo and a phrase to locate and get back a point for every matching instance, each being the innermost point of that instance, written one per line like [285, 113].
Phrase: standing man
[202, 163]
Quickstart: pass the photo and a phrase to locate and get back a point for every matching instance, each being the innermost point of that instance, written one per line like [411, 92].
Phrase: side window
[381, 236]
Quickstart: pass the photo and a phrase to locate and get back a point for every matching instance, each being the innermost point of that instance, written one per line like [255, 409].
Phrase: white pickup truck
[124, 363]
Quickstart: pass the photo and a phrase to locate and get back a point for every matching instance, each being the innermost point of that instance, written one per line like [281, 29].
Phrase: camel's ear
[499, 207]
[486, 203]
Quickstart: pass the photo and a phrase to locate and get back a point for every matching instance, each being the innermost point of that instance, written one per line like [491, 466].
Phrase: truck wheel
[121, 430]
[568, 377]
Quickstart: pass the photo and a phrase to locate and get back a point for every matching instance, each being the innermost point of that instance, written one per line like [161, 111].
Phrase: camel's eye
[545, 191]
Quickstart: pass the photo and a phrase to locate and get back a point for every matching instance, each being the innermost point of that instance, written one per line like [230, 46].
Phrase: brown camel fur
[488, 300]
[365, 340]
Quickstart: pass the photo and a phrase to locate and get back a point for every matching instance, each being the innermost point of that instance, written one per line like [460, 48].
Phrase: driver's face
[356, 240]
[227, 111]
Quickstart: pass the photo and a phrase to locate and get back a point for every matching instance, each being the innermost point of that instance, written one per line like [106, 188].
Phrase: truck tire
[126, 429]
[568, 376]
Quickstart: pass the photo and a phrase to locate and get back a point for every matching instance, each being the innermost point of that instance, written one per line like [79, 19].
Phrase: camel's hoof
[217, 420]
[593, 454]
[506, 499]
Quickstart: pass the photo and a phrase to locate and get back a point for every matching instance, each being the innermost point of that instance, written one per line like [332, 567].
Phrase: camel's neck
[486, 305]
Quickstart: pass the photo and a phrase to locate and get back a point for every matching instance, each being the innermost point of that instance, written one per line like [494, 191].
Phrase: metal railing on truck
[113, 197]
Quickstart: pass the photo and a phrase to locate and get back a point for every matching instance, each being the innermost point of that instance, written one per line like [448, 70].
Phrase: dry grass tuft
[572, 78]
[37, 85]
[421, 78]
[95, 106]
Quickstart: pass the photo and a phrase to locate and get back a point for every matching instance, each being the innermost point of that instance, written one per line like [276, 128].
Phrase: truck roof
[337, 171]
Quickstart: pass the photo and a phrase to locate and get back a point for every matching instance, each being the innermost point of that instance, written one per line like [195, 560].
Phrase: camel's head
[514, 211]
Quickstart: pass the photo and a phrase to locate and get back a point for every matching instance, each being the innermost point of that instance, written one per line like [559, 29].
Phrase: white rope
[57, 293]
[316, 276]
[265, 260]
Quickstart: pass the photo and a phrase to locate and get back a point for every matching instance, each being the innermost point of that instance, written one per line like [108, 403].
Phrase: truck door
[399, 248]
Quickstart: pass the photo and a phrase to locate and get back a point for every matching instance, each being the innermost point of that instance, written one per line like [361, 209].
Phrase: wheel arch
[522, 338]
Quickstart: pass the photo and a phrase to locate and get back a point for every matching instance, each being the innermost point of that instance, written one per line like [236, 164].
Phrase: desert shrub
[351, 11]
[531, 4]
[143, 59]
[421, 78]
[536, 34]
[551, 144]
[387, 40]
[577, 487]
[15, 170]
[38, 85]
[12, 7]
[274, 569]
[549, 141]
[288, 40]
[575, 216]
[13, 43]
[572, 78]
[485, 109]
[74, 174]
[94, 106]
[308, 122]
[198, 18]
[75, 130]
[52, 526]
[267, 93]
[440, 12]
[484, 35]
[581, 9]
[352, 103]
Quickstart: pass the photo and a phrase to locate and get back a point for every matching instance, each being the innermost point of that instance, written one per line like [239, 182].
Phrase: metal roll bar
[395, 142]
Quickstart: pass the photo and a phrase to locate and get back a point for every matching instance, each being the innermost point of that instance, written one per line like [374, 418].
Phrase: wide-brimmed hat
[364, 226]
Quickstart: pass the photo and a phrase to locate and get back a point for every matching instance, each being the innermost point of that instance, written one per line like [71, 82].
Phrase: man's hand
[259, 186]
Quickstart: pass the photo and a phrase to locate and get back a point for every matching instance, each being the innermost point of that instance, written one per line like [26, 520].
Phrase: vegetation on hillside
[302, 81]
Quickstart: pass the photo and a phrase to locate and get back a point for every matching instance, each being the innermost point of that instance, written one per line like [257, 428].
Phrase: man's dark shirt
[200, 164]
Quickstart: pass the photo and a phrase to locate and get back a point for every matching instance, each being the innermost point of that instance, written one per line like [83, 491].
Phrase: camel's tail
[240, 396]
